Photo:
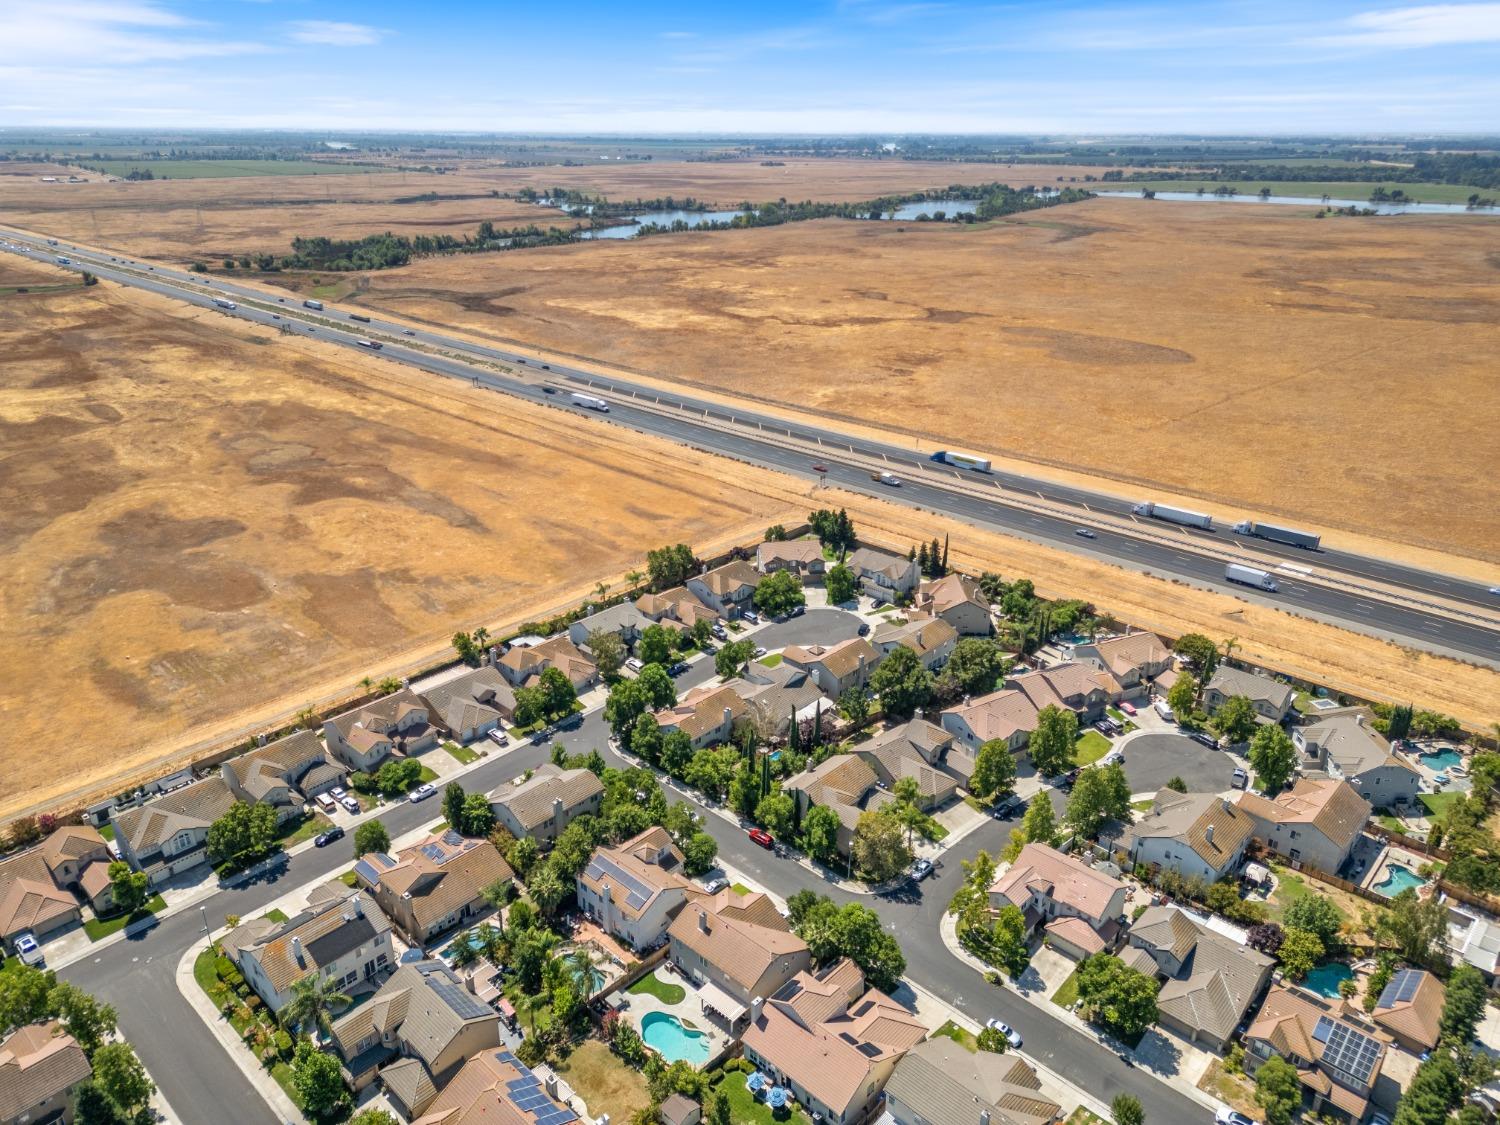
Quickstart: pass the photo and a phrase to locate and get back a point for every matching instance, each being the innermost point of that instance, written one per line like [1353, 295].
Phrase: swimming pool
[1441, 760]
[665, 1034]
[595, 978]
[1398, 879]
[1325, 979]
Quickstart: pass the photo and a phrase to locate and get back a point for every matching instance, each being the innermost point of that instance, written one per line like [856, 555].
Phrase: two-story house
[803, 557]
[635, 889]
[1271, 699]
[284, 774]
[521, 663]
[1080, 908]
[736, 949]
[1072, 686]
[623, 620]
[931, 638]
[435, 884]
[473, 704]
[40, 1067]
[959, 601]
[397, 724]
[883, 576]
[1130, 663]
[1338, 1055]
[845, 783]
[1007, 715]
[494, 1086]
[1317, 822]
[940, 1082]
[775, 695]
[923, 752]
[706, 714]
[341, 940]
[1197, 835]
[728, 590]
[676, 608]
[835, 668]
[169, 834]
[545, 804]
[1344, 746]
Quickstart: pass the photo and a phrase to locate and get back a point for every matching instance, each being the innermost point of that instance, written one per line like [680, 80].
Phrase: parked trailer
[589, 402]
[223, 304]
[1250, 576]
[962, 461]
[312, 305]
[1173, 515]
[1275, 534]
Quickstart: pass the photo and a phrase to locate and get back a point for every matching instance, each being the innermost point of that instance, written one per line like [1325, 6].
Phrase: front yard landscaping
[964, 1039]
[666, 991]
[1090, 748]
[1234, 1089]
[464, 755]
[1084, 1116]
[770, 660]
[250, 1018]
[305, 829]
[97, 928]
[1067, 992]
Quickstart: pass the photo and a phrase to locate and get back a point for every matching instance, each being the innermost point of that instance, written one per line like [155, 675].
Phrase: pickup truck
[890, 480]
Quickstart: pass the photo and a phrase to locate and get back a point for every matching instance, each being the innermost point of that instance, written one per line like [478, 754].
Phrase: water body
[949, 207]
[693, 219]
[1317, 201]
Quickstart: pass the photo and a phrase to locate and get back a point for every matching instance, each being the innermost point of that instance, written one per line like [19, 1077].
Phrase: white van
[326, 803]
[1164, 711]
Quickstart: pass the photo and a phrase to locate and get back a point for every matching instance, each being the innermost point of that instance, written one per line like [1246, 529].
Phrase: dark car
[677, 669]
[762, 837]
[797, 611]
[864, 628]
[1205, 739]
[1066, 780]
[334, 833]
[572, 722]
[549, 390]
[546, 367]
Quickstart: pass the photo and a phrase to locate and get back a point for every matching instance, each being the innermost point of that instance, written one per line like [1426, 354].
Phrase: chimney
[551, 1085]
[728, 716]
[359, 906]
[984, 1117]
[494, 656]
[702, 920]
[755, 1008]
[557, 807]
[1228, 806]
[1208, 833]
[297, 952]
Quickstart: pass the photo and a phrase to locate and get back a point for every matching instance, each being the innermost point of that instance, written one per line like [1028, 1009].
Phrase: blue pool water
[1324, 980]
[1442, 760]
[594, 982]
[665, 1034]
[1398, 879]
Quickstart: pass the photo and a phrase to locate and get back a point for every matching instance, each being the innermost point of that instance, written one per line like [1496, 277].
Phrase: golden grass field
[207, 526]
[1337, 371]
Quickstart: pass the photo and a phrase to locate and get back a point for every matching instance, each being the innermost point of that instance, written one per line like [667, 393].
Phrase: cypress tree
[922, 563]
[935, 555]
[793, 735]
[945, 553]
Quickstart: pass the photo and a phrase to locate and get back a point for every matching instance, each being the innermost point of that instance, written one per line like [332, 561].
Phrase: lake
[660, 218]
[948, 207]
[1316, 201]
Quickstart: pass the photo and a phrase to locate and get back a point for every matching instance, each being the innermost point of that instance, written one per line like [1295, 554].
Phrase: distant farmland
[228, 169]
[1356, 190]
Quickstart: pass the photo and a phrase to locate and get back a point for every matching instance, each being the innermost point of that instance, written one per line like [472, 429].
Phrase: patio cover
[720, 1001]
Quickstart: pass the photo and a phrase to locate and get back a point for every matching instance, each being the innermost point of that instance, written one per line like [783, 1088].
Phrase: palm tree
[481, 636]
[580, 968]
[366, 683]
[601, 588]
[313, 998]
[633, 578]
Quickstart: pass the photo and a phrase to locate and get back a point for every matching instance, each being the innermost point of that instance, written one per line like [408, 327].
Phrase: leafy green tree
[23, 994]
[319, 1081]
[901, 683]
[713, 771]
[628, 700]
[1432, 1093]
[1300, 953]
[528, 710]
[1101, 793]
[820, 832]
[854, 705]
[1463, 1005]
[676, 752]
[1038, 826]
[608, 652]
[1008, 944]
[732, 657]
[1278, 1090]
[1051, 743]
[1115, 996]
[478, 817]
[373, 1117]
[244, 833]
[1315, 914]
[670, 566]
[313, 1000]
[975, 667]
[852, 931]
[699, 853]
[558, 693]
[129, 890]
[1414, 927]
[1176, 784]
[1201, 651]
[547, 889]
[880, 849]
[993, 1040]
[119, 1075]
[467, 650]
[775, 813]
[779, 593]
[1182, 696]
[645, 737]
[994, 774]
[86, 1020]
[1235, 719]
[1273, 757]
[522, 855]
[655, 645]
[776, 533]
[834, 529]
[841, 584]
[661, 691]
[453, 804]
[1126, 1110]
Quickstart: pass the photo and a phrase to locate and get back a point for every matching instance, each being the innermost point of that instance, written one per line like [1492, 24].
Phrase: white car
[634, 665]
[421, 793]
[714, 886]
[337, 793]
[499, 737]
[350, 804]
[1227, 1116]
[1012, 1036]
[28, 950]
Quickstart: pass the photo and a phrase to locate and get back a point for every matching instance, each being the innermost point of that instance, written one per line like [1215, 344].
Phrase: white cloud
[1429, 25]
[97, 32]
[333, 33]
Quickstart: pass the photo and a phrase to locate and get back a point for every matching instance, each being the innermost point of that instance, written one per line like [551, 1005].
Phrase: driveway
[1151, 760]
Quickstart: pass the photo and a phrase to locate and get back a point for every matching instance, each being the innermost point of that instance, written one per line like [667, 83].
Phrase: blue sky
[877, 66]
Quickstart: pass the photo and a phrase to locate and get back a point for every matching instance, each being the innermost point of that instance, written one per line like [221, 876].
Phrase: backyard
[666, 991]
[603, 1081]
[745, 1107]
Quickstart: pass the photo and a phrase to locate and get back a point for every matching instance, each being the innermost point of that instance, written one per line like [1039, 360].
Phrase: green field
[225, 169]
[1351, 190]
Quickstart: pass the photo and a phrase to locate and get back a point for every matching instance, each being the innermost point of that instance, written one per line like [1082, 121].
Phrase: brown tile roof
[803, 551]
[442, 873]
[479, 1094]
[943, 1082]
[840, 659]
[1077, 932]
[1288, 1021]
[94, 879]
[730, 577]
[531, 803]
[561, 653]
[702, 709]
[741, 949]
[922, 635]
[1056, 685]
[1001, 714]
[281, 762]
[1059, 877]
[1132, 652]
[29, 899]
[1213, 826]
[1412, 1006]
[1330, 805]
[73, 842]
[323, 936]
[193, 806]
[942, 594]
[906, 751]
[38, 1062]
[676, 602]
[651, 859]
[840, 779]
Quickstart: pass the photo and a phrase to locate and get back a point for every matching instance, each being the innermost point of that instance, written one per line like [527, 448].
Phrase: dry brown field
[1336, 371]
[208, 526]
[16, 270]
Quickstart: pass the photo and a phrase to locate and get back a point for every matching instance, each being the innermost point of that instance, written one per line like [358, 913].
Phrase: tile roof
[323, 935]
[702, 709]
[1058, 877]
[1001, 714]
[1235, 681]
[1057, 685]
[840, 660]
[942, 594]
[948, 1085]
[282, 762]
[531, 803]
[410, 1082]
[1292, 1021]
[1331, 805]
[840, 779]
[38, 1062]
[72, 842]
[651, 865]
[381, 714]
[471, 700]
[730, 577]
[424, 1004]
[561, 653]
[193, 806]
[94, 879]
[923, 635]
[439, 875]
[1351, 744]
[1077, 932]
[804, 551]
[623, 617]
[1219, 978]
[481, 1094]
[909, 750]
[679, 602]
[1214, 827]
[29, 899]
[1411, 1004]
[739, 947]
[867, 560]
[1132, 652]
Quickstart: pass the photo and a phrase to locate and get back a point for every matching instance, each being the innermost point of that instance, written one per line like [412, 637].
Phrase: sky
[1076, 67]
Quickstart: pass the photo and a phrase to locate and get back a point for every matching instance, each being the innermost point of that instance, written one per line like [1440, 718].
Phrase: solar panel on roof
[505, 1057]
[366, 872]
[432, 852]
[1401, 988]
[457, 998]
[557, 1117]
[530, 1103]
[525, 1083]
[1352, 1052]
[636, 894]
[452, 838]
[1321, 1030]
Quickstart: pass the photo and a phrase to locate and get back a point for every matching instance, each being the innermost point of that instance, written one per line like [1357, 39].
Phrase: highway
[1432, 611]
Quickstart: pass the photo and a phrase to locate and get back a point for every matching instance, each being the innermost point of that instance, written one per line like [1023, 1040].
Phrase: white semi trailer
[1291, 536]
[589, 402]
[1181, 516]
[1250, 576]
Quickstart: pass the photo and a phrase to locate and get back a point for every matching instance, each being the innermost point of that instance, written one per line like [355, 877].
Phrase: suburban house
[40, 1065]
[940, 1082]
[959, 601]
[831, 1041]
[774, 695]
[736, 949]
[623, 620]
[1007, 715]
[435, 884]
[415, 1033]
[343, 940]
[1344, 746]
[1474, 937]
[727, 589]
[521, 662]
[635, 889]
[835, 668]
[677, 607]
[1131, 662]
[473, 704]
[365, 737]
[547, 803]
[931, 638]
[1410, 1008]
[31, 900]
[883, 576]
[1197, 835]
[803, 557]
[923, 752]
[845, 783]
[1080, 908]
[1212, 980]
[493, 1086]
[169, 834]
[706, 714]
[1317, 821]
[71, 850]
[1337, 1054]
[1073, 686]
[1271, 699]
[286, 774]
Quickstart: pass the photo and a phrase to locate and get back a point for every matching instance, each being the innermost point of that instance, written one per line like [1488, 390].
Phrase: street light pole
[203, 912]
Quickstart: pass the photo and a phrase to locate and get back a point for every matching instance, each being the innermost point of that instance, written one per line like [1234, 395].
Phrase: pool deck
[1397, 858]
[638, 1005]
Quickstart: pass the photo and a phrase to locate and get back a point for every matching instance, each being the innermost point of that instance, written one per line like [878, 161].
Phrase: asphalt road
[926, 485]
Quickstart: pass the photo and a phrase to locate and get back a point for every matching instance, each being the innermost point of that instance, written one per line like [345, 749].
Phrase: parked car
[719, 632]
[714, 886]
[1128, 708]
[762, 837]
[1114, 757]
[1066, 780]
[1203, 739]
[797, 611]
[921, 869]
[1239, 779]
[28, 950]
[1227, 1116]
[421, 793]
[338, 793]
[1009, 807]
[499, 737]
[634, 665]
[1011, 1035]
[326, 803]
[751, 616]
[759, 652]
[351, 804]
[677, 669]
[864, 628]
[326, 838]
[1164, 711]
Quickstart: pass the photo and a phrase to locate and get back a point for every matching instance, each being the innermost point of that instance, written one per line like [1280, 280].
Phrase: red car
[820, 468]
[762, 837]
[1128, 708]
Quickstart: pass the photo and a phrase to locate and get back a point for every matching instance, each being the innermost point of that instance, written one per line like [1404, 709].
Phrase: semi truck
[962, 460]
[62, 261]
[312, 305]
[890, 480]
[223, 304]
[1250, 576]
[373, 345]
[1173, 515]
[589, 402]
[361, 319]
[1290, 536]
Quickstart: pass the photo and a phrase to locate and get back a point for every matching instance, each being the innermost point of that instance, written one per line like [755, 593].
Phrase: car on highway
[820, 468]
[407, 332]
[27, 949]
[920, 870]
[1012, 1036]
[350, 804]
[421, 793]
[546, 367]
[324, 839]
[762, 837]
[714, 886]
[1227, 1116]
[499, 737]
[1085, 533]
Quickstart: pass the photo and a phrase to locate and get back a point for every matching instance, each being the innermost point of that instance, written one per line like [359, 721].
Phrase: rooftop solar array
[366, 872]
[1347, 1050]
[1401, 988]
[457, 997]
[602, 867]
[527, 1095]
[432, 852]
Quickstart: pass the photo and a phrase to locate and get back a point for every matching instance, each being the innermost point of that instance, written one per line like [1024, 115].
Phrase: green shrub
[224, 967]
[284, 1044]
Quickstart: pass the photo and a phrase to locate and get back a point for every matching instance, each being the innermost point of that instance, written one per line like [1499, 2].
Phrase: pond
[666, 1035]
[1317, 201]
[661, 219]
[1326, 978]
[949, 208]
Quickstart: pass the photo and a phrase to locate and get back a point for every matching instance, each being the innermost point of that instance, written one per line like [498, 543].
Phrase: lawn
[604, 1082]
[97, 929]
[1143, 806]
[427, 774]
[770, 660]
[227, 169]
[1290, 887]
[1090, 748]
[964, 1039]
[463, 754]
[1339, 189]
[108, 831]
[1067, 992]
[282, 1072]
[349, 879]
[1084, 1116]
[1437, 804]
[743, 1106]
[275, 914]
[666, 991]
[739, 888]
[304, 829]
[1388, 821]
[203, 970]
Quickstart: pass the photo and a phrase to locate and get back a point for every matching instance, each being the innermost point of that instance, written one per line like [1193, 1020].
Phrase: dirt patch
[1080, 347]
